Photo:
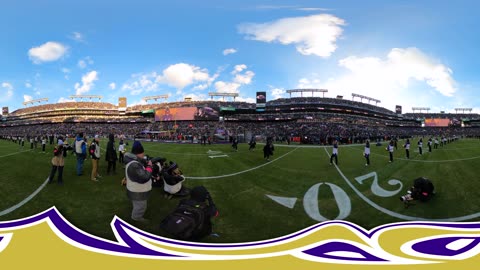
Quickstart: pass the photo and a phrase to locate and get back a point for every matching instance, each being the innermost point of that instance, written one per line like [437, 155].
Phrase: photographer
[173, 181]
[422, 190]
[191, 220]
[138, 174]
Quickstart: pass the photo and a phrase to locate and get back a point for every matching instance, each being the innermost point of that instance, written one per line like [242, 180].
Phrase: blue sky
[410, 53]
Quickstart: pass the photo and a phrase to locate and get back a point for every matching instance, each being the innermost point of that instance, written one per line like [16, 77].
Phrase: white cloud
[389, 79]
[239, 79]
[144, 82]
[181, 75]
[244, 99]
[65, 70]
[28, 85]
[48, 52]
[227, 87]
[77, 36]
[239, 68]
[245, 78]
[112, 86]
[27, 98]
[277, 93]
[8, 88]
[83, 63]
[87, 82]
[315, 34]
[62, 99]
[229, 51]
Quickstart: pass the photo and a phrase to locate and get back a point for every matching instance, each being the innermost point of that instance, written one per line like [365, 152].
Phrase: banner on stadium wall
[186, 113]
[4, 110]
[398, 109]
[122, 102]
[261, 101]
[437, 122]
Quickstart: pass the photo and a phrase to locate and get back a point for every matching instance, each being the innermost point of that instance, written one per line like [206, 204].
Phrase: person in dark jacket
[111, 155]
[173, 181]
[138, 174]
[268, 150]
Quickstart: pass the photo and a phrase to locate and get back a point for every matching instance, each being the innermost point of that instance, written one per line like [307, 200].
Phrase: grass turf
[246, 214]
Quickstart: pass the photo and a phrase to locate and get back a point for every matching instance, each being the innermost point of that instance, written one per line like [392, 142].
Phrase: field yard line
[194, 154]
[425, 161]
[20, 204]
[395, 214]
[15, 153]
[237, 173]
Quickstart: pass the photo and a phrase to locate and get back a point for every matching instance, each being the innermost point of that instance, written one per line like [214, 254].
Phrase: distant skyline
[408, 53]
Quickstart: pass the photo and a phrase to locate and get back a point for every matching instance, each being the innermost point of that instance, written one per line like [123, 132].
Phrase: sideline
[241, 172]
[395, 214]
[16, 153]
[20, 204]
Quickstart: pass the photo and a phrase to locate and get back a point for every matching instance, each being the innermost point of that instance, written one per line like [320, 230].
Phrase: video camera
[422, 190]
[157, 165]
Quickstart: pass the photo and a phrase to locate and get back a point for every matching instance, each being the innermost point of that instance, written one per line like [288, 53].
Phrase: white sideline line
[15, 153]
[395, 214]
[241, 172]
[20, 204]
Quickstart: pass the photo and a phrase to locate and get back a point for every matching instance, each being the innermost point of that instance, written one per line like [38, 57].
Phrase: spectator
[111, 155]
[81, 152]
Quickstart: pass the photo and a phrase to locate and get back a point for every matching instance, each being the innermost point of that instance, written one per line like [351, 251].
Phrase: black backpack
[185, 221]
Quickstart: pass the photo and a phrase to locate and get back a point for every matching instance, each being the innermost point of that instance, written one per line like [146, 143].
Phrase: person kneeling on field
[422, 190]
[173, 181]
[191, 220]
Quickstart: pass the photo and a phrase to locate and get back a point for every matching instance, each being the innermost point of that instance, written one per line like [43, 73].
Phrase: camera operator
[173, 181]
[421, 190]
[138, 173]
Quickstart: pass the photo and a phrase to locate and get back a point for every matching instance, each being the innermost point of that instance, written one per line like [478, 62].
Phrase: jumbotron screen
[186, 113]
[437, 122]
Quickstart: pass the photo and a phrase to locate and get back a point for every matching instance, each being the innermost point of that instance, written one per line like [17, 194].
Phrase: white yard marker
[218, 156]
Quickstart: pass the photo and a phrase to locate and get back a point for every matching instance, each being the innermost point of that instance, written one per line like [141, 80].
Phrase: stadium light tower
[223, 95]
[146, 99]
[463, 110]
[40, 100]
[420, 109]
[301, 91]
[89, 97]
[365, 97]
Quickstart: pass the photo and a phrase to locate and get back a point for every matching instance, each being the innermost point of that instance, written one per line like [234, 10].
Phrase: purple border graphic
[433, 247]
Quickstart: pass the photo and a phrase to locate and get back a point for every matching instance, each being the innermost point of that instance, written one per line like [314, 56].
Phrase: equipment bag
[184, 221]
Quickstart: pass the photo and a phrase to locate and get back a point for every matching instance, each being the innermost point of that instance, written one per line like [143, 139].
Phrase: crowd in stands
[328, 101]
[311, 125]
[65, 106]
[470, 116]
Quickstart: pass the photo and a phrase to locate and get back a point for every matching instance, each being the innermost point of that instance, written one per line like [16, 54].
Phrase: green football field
[257, 199]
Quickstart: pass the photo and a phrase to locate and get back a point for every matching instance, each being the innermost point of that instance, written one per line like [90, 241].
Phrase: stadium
[256, 198]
